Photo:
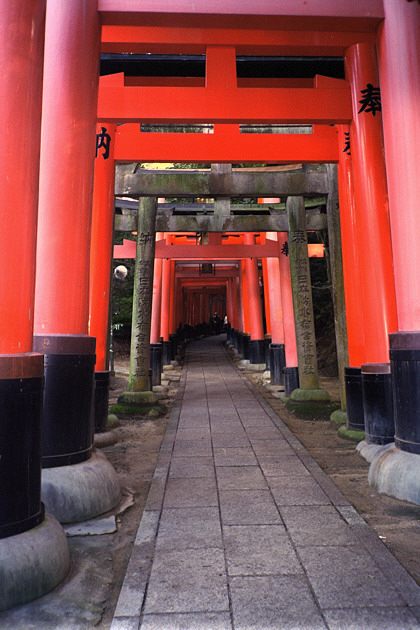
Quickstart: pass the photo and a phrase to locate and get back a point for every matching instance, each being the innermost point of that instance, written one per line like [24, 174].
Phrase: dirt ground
[88, 596]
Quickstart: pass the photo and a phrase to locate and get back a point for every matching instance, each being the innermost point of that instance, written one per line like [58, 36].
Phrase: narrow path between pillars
[242, 530]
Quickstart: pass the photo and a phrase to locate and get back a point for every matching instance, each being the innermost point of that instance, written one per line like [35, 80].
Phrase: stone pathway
[243, 531]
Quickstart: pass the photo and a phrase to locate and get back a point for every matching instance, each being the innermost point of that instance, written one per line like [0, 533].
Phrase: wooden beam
[290, 11]
[228, 145]
[224, 105]
[248, 41]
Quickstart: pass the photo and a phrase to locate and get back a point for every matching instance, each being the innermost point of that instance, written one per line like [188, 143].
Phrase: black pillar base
[377, 403]
[101, 401]
[228, 333]
[267, 344]
[166, 352]
[240, 343]
[291, 379]
[20, 439]
[354, 398]
[245, 346]
[156, 363]
[68, 422]
[405, 368]
[173, 339]
[257, 351]
[277, 363]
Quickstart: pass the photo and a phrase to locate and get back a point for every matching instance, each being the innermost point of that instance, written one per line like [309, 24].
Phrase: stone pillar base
[81, 491]
[339, 416]
[369, 451]
[32, 563]
[104, 439]
[311, 404]
[397, 474]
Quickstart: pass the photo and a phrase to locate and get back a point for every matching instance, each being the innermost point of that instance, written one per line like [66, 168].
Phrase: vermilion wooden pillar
[71, 72]
[234, 300]
[277, 347]
[21, 49]
[274, 289]
[157, 295]
[287, 305]
[352, 270]
[371, 196]
[266, 296]
[21, 371]
[100, 266]
[68, 141]
[399, 66]
[164, 313]
[244, 298]
[172, 300]
[101, 243]
[165, 306]
[256, 328]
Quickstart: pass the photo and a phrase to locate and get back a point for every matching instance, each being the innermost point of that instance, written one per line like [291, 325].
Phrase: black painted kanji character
[285, 248]
[103, 140]
[347, 142]
[371, 100]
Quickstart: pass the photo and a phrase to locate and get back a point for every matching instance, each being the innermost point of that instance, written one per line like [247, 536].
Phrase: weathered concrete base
[351, 434]
[274, 388]
[104, 439]
[255, 367]
[82, 491]
[396, 473]
[137, 398]
[244, 363]
[339, 416]
[140, 403]
[266, 375]
[32, 563]
[369, 451]
[160, 389]
[311, 404]
[112, 421]
[306, 395]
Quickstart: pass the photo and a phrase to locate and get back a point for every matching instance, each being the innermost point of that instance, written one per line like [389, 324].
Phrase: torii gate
[72, 48]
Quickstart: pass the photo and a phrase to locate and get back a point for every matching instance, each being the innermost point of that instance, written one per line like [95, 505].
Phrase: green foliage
[122, 293]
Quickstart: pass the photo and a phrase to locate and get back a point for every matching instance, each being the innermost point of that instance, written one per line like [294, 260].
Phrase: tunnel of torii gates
[55, 250]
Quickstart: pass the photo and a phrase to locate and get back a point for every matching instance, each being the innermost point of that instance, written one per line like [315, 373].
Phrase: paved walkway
[243, 531]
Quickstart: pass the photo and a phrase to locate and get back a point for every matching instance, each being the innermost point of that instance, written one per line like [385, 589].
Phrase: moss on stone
[112, 421]
[311, 410]
[310, 395]
[152, 411]
[339, 416]
[137, 398]
[351, 434]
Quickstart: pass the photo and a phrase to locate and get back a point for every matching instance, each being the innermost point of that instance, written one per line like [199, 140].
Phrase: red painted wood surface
[21, 50]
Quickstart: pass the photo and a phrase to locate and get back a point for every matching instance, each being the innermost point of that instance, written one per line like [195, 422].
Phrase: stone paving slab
[274, 602]
[190, 580]
[189, 528]
[242, 530]
[260, 550]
